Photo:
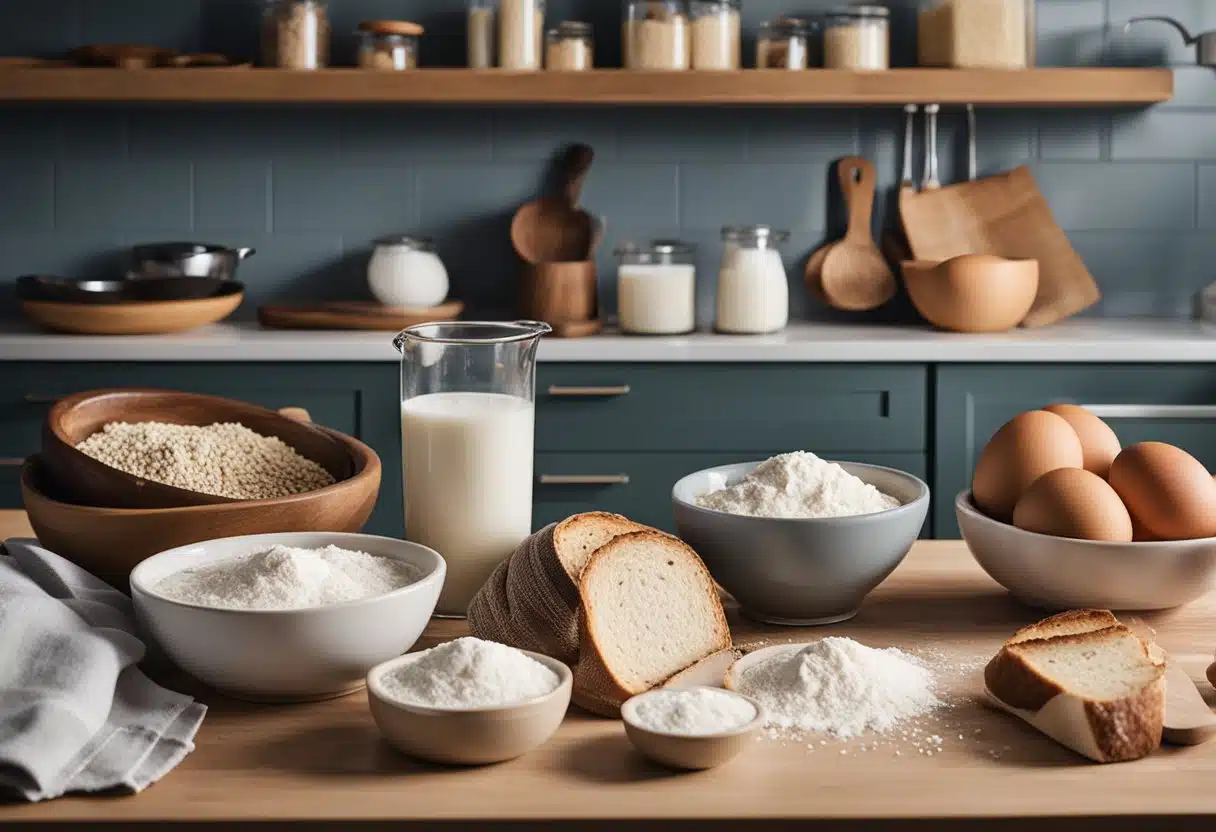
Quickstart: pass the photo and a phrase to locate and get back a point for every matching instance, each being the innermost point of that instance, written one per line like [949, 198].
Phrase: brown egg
[1026, 448]
[1072, 502]
[1098, 441]
[1167, 491]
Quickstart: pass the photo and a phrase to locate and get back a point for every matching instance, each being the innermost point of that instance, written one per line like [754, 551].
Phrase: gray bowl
[1060, 573]
[801, 572]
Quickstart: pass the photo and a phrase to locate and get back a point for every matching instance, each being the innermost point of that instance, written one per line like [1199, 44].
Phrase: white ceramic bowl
[686, 751]
[287, 655]
[469, 736]
[1062, 573]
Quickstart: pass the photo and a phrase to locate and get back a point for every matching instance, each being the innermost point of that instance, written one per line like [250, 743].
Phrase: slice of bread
[1086, 681]
[649, 610]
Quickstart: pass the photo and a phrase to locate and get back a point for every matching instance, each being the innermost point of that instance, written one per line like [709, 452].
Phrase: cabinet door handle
[589, 392]
[11, 462]
[584, 479]
[1152, 411]
[40, 398]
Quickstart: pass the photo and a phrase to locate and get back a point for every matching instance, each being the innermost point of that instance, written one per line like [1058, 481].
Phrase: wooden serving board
[325, 764]
[355, 314]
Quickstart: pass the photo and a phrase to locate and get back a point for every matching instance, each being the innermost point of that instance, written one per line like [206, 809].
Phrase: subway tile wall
[311, 187]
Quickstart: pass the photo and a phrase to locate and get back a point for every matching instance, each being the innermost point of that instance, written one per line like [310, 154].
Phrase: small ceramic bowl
[286, 655]
[468, 736]
[686, 751]
[973, 293]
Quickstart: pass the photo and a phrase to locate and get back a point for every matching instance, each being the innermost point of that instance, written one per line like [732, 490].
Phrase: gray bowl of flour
[816, 566]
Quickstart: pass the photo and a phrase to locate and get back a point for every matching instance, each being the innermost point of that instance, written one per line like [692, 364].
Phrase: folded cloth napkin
[76, 713]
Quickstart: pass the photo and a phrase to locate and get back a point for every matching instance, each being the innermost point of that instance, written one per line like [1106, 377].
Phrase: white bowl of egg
[287, 617]
[1063, 516]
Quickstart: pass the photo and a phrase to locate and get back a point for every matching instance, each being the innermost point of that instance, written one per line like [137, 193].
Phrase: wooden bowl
[85, 480]
[110, 542]
[974, 292]
[157, 317]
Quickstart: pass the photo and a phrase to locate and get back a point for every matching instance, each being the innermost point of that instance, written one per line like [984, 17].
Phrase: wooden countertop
[324, 762]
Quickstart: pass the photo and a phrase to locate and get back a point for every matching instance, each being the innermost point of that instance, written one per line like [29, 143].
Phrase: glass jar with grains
[857, 38]
[295, 34]
[655, 35]
[715, 34]
[389, 45]
[657, 288]
[569, 47]
[481, 33]
[521, 33]
[783, 44]
[753, 292]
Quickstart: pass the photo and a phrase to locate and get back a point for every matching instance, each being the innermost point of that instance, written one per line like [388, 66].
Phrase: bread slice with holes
[1085, 680]
[649, 610]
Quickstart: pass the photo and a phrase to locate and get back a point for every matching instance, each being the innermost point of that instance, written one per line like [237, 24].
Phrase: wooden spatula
[1188, 719]
[855, 276]
[554, 229]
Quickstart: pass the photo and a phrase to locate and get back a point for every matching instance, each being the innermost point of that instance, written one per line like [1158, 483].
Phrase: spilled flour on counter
[797, 485]
[469, 673]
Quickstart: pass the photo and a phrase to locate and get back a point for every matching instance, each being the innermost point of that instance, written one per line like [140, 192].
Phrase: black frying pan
[73, 290]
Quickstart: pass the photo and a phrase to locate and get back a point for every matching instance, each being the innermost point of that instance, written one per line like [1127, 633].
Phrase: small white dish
[689, 751]
[468, 736]
[286, 655]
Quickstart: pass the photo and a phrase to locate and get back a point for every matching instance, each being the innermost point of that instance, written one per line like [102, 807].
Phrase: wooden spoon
[554, 229]
[1188, 719]
[814, 270]
[855, 275]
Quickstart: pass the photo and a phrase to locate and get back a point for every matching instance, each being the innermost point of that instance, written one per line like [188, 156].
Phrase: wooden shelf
[1036, 87]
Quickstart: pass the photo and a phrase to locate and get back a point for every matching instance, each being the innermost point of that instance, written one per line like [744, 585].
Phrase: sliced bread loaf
[1090, 684]
[649, 610]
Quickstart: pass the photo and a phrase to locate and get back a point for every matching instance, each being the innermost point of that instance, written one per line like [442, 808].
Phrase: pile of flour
[469, 673]
[797, 485]
[693, 712]
[286, 578]
[840, 687]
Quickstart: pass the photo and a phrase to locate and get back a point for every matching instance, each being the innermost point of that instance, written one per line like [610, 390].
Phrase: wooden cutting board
[355, 314]
[1005, 215]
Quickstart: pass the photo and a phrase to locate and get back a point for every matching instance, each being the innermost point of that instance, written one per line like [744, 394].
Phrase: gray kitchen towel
[76, 712]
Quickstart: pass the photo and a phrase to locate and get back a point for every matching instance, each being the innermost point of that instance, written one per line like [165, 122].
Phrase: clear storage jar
[388, 45]
[295, 34]
[657, 288]
[569, 47]
[656, 36]
[482, 34]
[857, 37]
[753, 291]
[715, 34]
[521, 34]
[783, 44]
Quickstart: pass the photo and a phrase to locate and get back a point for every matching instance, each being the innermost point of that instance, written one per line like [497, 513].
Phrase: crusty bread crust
[1128, 729]
[1064, 623]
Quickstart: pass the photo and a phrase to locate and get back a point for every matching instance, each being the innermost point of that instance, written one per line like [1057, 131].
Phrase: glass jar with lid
[389, 45]
[481, 33]
[657, 288]
[405, 271]
[753, 291]
[783, 43]
[569, 47]
[715, 34]
[295, 34]
[521, 34]
[656, 35]
[856, 37]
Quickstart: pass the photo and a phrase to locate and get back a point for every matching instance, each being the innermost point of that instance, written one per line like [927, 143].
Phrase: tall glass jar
[295, 34]
[657, 288]
[716, 42]
[783, 43]
[569, 47]
[656, 35]
[468, 393]
[521, 34]
[857, 38]
[482, 34]
[753, 291]
[388, 45]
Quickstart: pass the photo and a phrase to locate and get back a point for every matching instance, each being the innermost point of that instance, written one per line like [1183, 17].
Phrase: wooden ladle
[554, 229]
[855, 276]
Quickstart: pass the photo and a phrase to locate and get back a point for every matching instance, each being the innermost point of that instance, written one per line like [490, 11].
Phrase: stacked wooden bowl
[107, 520]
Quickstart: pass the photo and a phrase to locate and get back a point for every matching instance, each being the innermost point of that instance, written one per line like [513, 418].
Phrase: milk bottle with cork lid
[468, 392]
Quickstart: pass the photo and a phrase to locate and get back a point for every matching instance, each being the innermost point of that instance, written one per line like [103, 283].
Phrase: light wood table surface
[324, 762]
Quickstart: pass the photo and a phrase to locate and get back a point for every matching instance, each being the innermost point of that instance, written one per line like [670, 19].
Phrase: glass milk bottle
[468, 392]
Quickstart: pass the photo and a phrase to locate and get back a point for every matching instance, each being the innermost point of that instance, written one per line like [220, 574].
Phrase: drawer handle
[584, 479]
[589, 392]
[40, 398]
[11, 462]
[1152, 411]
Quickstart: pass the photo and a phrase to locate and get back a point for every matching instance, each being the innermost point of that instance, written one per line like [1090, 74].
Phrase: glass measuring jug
[468, 393]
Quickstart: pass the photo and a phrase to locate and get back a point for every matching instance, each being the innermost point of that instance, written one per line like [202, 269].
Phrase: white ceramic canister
[753, 292]
[404, 270]
[657, 288]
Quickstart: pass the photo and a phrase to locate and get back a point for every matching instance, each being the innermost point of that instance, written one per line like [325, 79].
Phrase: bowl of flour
[287, 617]
[799, 540]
